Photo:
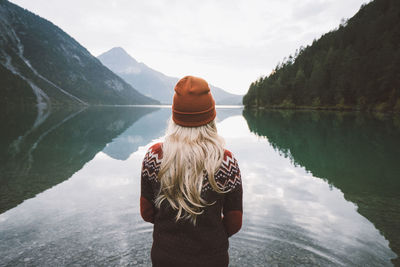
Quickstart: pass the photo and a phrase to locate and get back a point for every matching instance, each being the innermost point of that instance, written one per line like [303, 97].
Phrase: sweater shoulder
[228, 175]
[152, 162]
[227, 154]
[154, 152]
[156, 149]
[229, 161]
[230, 170]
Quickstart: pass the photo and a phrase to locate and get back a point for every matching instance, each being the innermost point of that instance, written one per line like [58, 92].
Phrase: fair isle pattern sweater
[181, 243]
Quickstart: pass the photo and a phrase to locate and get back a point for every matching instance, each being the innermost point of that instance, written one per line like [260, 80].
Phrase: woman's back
[182, 241]
[188, 183]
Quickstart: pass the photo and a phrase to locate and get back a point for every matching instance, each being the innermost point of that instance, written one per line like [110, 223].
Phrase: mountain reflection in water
[35, 159]
[356, 153]
[70, 187]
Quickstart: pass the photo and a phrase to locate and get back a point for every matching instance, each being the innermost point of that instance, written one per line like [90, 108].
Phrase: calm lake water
[320, 188]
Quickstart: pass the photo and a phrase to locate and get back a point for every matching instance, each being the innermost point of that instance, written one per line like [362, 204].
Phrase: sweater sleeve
[233, 206]
[147, 209]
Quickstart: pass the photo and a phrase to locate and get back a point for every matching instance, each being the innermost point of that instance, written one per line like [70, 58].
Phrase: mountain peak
[117, 51]
[151, 82]
[30, 44]
[118, 60]
[118, 48]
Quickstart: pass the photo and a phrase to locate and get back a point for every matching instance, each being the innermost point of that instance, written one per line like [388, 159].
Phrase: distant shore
[331, 108]
[165, 106]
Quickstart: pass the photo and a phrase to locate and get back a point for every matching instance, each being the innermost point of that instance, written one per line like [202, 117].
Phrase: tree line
[356, 66]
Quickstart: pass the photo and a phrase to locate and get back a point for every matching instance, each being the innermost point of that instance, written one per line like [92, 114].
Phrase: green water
[320, 188]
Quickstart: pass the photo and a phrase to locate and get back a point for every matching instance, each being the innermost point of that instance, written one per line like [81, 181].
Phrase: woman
[191, 188]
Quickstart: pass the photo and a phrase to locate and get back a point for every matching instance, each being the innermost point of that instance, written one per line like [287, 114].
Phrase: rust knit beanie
[193, 104]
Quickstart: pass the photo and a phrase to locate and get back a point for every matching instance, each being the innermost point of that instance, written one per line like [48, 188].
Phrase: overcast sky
[230, 43]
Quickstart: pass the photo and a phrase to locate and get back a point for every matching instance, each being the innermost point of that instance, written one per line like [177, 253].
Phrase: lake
[320, 188]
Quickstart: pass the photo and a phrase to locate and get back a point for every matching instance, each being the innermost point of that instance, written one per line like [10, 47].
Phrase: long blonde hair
[189, 153]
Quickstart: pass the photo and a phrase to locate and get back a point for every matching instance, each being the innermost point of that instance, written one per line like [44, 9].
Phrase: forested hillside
[42, 65]
[356, 66]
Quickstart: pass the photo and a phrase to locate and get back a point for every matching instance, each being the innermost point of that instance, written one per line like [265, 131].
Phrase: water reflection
[142, 132]
[90, 216]
[356, 153]
[35, 158]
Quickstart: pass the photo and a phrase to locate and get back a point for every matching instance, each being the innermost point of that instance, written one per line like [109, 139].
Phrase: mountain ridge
[151, 82]
[44, 66]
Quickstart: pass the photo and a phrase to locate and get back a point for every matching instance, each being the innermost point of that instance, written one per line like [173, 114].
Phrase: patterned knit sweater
[181, 243]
